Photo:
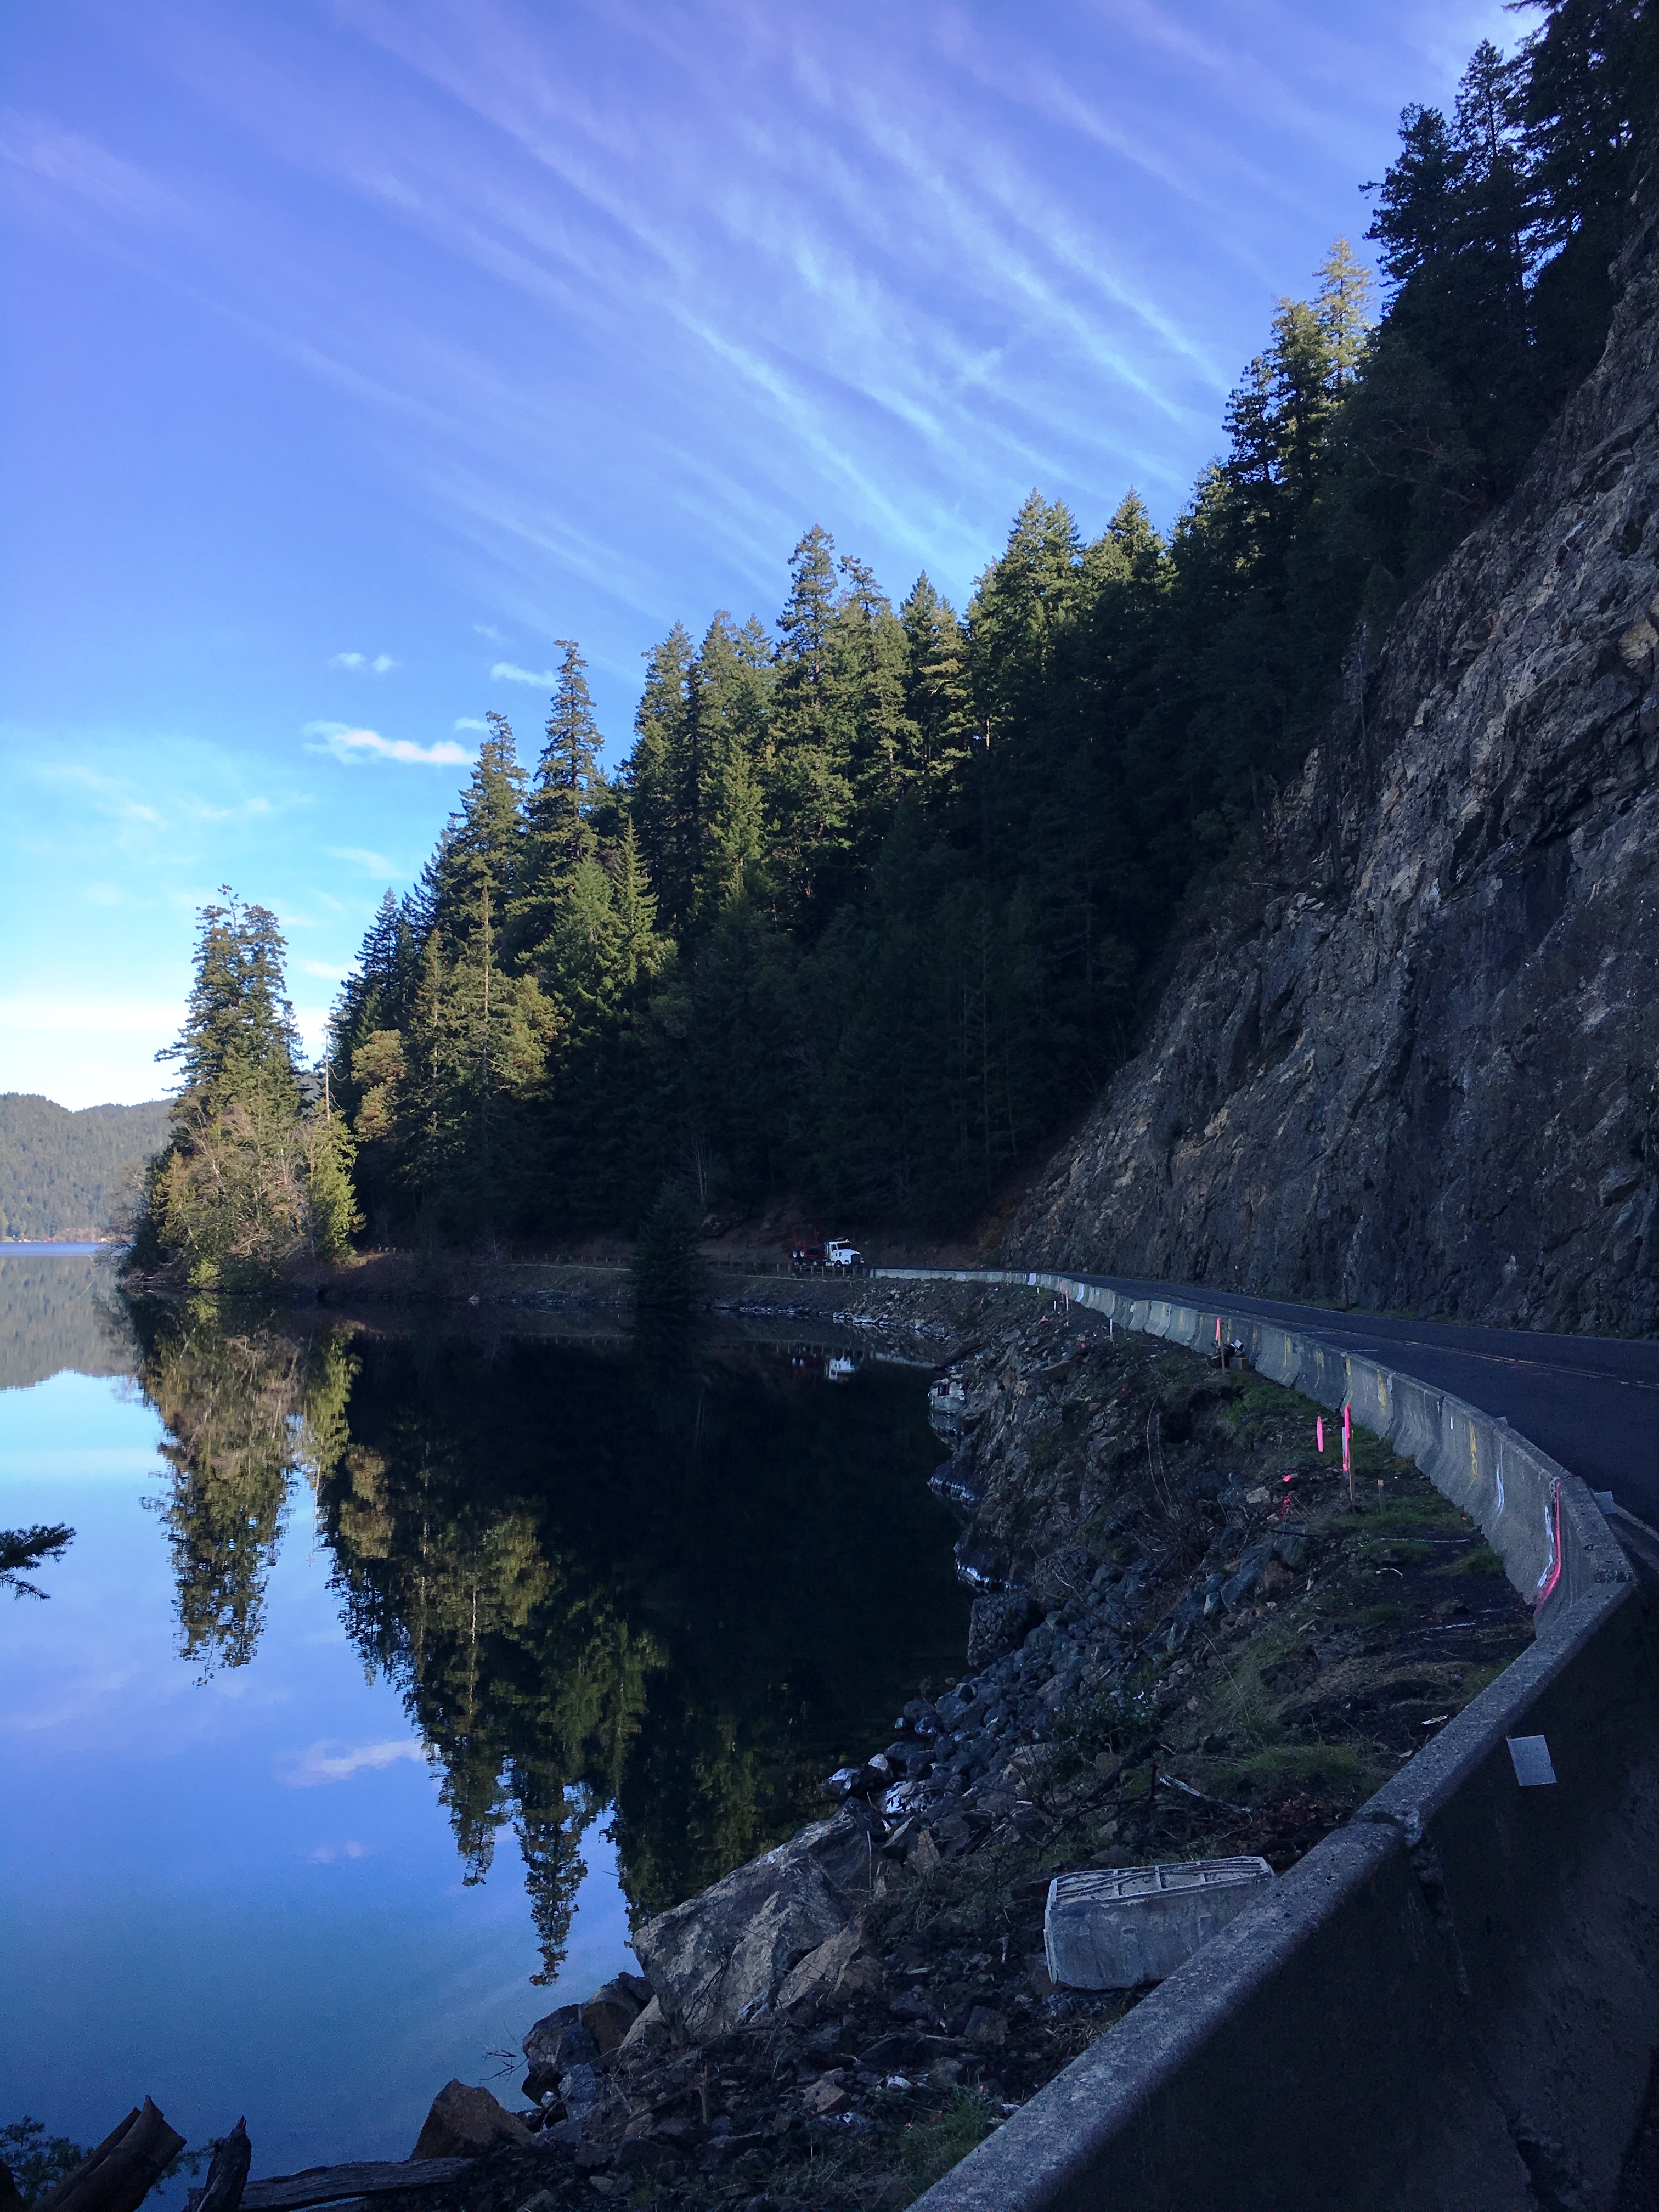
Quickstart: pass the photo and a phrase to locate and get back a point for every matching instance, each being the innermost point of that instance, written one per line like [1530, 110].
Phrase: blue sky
[359, 351]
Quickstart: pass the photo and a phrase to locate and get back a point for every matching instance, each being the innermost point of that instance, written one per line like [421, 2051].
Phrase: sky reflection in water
[616, 1594]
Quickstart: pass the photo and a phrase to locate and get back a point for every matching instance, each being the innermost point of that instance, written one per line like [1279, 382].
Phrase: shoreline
[1159, 1663]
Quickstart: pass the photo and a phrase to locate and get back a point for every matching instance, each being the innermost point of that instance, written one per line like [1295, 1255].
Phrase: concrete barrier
[1453, 2001]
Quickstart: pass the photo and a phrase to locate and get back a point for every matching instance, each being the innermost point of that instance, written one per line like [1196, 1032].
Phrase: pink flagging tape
[1552, 1573]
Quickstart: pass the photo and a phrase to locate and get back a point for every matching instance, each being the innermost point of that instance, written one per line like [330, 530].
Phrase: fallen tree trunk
[326, 2184]
[121, 2172]
[227, 2175]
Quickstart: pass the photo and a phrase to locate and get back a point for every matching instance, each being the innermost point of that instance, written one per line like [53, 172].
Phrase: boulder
[997, 1623]
[646, 2028]
[1291, 1547]
[828, 2095]
[466, 2122]
[609, 2013]
[579, 2087]
[541, 2044]
[819, 1974]
[721, 1957]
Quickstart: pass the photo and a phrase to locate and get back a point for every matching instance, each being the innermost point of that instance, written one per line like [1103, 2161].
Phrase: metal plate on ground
[1127, 1926]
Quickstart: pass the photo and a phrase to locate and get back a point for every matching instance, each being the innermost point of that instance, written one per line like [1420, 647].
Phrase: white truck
[806, 1258]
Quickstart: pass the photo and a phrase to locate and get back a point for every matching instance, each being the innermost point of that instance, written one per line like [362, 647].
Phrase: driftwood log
[326, 2184]
[227, 2175]
[120, 2173]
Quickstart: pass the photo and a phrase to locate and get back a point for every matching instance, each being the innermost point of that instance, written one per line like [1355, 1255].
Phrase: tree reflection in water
[246, 1408]
[675, 1580]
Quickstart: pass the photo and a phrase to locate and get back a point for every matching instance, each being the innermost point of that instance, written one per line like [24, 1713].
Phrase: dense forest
[64, 1175]
[878, 898]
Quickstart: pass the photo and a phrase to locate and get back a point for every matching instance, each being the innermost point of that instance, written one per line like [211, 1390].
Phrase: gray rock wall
[1417, 1065]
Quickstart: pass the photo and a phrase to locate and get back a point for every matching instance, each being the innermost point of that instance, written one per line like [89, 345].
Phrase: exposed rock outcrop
[721, 1957]
[1417, 1065]
[465, 2121]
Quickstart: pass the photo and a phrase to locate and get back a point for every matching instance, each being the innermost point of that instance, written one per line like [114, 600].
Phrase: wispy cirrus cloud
[348, 744]
[42, 152]
[881, 270]
[372, 864]
[112, 795]
[508, 672]
[255, 808]
[328, 1760]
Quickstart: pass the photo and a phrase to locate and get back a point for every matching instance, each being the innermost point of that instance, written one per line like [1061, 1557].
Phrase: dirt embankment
[1194, 1637]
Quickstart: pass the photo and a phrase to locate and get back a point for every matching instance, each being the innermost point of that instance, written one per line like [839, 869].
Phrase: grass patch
[1379, 1616]
[1482, 1560]
[1337, 1769]
[1245, 1703]
[931, 2147]
[1266, 1399]
[1429, 1510]
[1395, 1552]
[1121, 1721]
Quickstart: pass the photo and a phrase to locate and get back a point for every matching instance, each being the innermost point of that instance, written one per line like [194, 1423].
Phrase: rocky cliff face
[1418, 1064]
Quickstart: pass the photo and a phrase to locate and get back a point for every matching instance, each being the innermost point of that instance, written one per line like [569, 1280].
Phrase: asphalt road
[1591, 1401]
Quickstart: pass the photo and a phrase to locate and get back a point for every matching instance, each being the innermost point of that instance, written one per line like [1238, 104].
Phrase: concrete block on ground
[1127, 1926]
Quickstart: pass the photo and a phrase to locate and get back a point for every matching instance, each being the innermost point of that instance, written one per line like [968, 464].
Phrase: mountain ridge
[67, 1174]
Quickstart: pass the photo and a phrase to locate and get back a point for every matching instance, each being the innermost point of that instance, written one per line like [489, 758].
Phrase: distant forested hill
[56, 1312]
[65, 1175]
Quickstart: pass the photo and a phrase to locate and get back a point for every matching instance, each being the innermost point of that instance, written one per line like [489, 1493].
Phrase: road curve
[1592, 1402]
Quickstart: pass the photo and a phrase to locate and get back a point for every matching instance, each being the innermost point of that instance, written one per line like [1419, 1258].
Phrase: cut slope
[1415, 1064]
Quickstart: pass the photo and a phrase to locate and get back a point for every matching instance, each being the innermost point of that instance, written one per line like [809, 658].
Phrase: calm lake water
[387, 1671]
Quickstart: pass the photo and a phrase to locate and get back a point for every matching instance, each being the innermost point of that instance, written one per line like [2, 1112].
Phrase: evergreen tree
[667, 1269]
[939, 707]
[728, 720]
[21, 1548]
[478, 871]
[653, 777]
[226, 1204]
[567, 777]
[810, 799]
[332, 1215]
[880, 741]
[239, 1036]
[1344, 309]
